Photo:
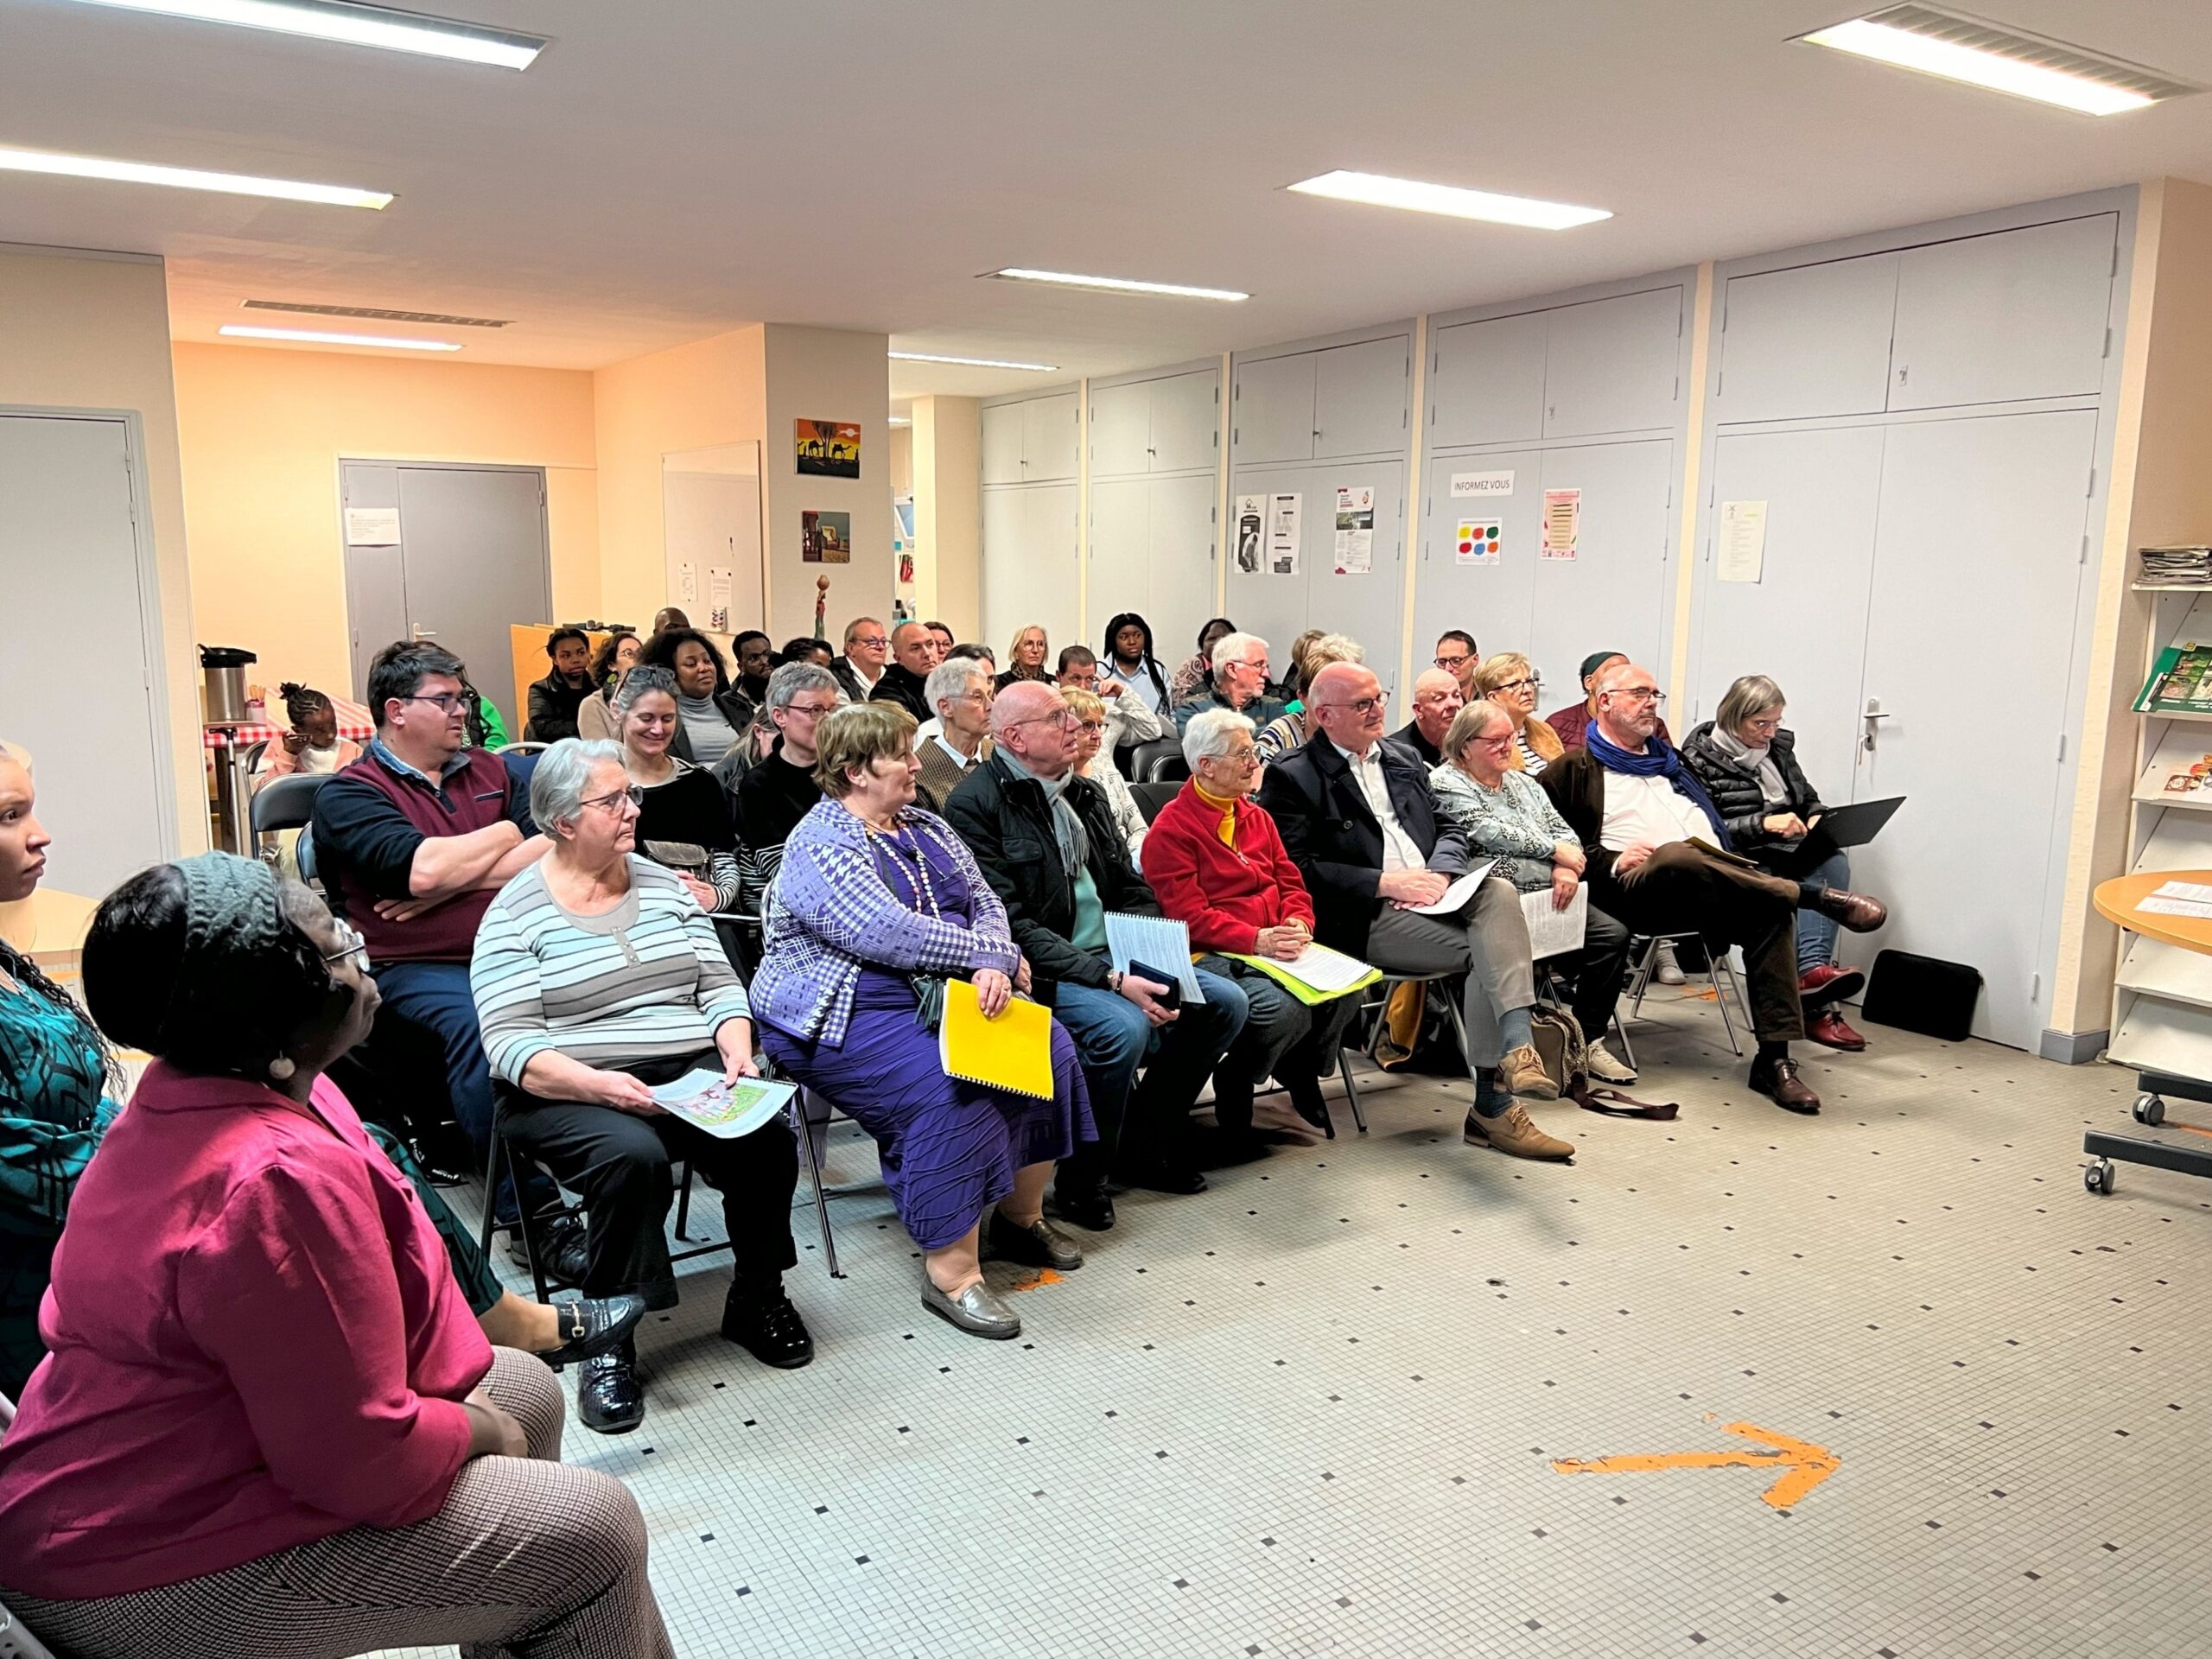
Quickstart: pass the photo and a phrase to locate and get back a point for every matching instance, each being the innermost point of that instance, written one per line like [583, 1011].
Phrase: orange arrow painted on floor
[1806, 1465]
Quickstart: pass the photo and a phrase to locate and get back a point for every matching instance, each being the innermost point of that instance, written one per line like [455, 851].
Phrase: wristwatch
[1114, 978]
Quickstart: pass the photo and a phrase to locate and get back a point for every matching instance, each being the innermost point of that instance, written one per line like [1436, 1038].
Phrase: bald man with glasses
[1659, 863]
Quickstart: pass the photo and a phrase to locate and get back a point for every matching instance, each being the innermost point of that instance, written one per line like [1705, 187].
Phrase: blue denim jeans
[1146, 1121]
[1816, 932]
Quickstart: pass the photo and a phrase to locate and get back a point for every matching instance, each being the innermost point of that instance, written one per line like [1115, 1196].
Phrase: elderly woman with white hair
[958, 691]
[597, 976]
[1240, 683]
[1218, 865]
[1748, 763]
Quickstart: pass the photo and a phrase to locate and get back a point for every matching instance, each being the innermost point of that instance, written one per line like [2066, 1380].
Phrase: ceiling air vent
[378, 316]
[1959, 46]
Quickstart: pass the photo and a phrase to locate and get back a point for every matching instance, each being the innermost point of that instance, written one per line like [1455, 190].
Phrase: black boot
[609, 1398]
[760, 1320]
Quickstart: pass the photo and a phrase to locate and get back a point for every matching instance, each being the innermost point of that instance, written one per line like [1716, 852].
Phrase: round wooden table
[2116, 901]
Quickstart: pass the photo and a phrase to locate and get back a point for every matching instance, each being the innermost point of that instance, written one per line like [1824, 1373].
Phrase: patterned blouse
[1514, 823]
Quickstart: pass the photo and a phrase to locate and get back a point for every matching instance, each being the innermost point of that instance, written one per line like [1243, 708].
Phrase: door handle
[1871, 714]
[424, 633]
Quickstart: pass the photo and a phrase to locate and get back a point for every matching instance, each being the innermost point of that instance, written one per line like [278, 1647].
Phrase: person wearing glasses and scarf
[1660, 860]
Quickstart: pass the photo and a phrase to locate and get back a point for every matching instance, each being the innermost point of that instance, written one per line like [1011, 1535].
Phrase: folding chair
[1152, 799]
[1373, 1041]
[1720, 963]
[16, 1642]
[1159, 761]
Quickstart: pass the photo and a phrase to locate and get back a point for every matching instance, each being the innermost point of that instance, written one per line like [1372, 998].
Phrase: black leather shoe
[1778, 1081]
[608, 1399]
[1088, 1208]
[593, 1325]
[1162, 1176]
[765, 1325]
[563, 1248]
[1040, 1244]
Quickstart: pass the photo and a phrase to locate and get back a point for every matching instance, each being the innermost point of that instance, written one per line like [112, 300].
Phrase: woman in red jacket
[1216, 863]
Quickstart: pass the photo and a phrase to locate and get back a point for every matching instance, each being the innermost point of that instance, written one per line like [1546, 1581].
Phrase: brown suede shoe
[1779, 1082]
[1512, 1131]
[1522, 1073]
[1859, 912]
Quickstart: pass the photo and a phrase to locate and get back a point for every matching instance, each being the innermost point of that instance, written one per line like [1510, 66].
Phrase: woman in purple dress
[875, 894]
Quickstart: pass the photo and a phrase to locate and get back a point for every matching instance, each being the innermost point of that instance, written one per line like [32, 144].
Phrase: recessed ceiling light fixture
[974, 362]
[188, 178]
[317, 337]
[356, 25]
[1957, 46]
[1379, 191]
[1119, 284]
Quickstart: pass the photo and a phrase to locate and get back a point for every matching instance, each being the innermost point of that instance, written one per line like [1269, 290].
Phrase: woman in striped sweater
[596, 977]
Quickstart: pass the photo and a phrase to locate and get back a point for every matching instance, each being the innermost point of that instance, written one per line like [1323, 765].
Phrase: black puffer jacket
[1735, 788]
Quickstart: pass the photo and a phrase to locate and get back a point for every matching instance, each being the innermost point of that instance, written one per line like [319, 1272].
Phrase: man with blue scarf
[1658, 848]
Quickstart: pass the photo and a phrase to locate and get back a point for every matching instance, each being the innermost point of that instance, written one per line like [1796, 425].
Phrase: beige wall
[92, 331]
[2161, 493]
[688, 397]
[949, 511]
[902, 460]
[264, 431]
[827, 374]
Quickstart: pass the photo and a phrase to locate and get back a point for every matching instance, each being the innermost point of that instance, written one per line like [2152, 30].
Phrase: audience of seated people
[598, 976]
[1748, 764]
[554, 700]
[1509, 680]
[1025, 657]
[1457, 655]
[1094, 760]
[1239, 682]
[1193, 677]
[617, 654]
[1046, 842]
[775, 794]
[1650, 831]
[878, 897]
[1437, 698]
[269, 1423]
[914, 652]
[1130, 721]
[959, 692]
[1314, 652]
[714, 713]
[1131, 664]
[867, 648]
[1358, 818]
[1217, 863]
[684, 817]
[1505, 816]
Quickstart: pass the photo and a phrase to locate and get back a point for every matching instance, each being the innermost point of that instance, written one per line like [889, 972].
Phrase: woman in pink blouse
[269, 1425]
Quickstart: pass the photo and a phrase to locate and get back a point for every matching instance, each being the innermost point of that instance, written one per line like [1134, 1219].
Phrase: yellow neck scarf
[1226, 806]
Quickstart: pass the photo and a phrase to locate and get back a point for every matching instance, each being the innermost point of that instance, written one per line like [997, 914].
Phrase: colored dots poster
[1477, 541]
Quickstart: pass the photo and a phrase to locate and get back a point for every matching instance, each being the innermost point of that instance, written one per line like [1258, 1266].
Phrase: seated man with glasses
[1659, 863]
[1047, 843]
[411, 842]
[1240, 683]
[1128, 720]
[867, 647]
[1358, 818]
[1457, 656]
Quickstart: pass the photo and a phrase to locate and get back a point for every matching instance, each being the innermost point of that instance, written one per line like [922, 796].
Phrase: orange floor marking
[1806, 1465]
[1042, 1276]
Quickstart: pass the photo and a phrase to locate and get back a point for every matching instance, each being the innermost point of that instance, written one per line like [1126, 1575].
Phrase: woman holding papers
[597, 976]
[877, 902]
[1504, 814]
[1218, 865]
[1748, 764]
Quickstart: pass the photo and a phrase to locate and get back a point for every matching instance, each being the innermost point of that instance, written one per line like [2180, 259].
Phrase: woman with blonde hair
[1508, 680]
[1026, 657]
[1094, 761]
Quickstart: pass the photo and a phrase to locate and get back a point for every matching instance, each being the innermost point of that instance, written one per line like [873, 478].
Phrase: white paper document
[1740, 553]
[728, 1110]
[1456, 895]
[1325, 969]
[1355, 531]
[2193, 907]
[1285, 510]
[1554, 932]
[2195, 890]
[1156, 941]
[372, 526]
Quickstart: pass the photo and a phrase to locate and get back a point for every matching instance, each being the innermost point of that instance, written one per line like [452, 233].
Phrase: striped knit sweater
[648, 981]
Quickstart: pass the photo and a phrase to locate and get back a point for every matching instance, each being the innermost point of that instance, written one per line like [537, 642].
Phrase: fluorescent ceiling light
[1956, 47]
[188, 178]
[317, 337]
[900, 420]
[1379, 191]
[974, 362]
[355, 25]
[1120, 284]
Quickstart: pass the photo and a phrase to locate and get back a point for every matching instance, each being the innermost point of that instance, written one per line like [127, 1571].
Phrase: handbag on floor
[1566, 1054]
[1923, 993]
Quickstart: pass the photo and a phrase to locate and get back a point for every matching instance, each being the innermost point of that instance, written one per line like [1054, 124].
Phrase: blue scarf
[1659, 759]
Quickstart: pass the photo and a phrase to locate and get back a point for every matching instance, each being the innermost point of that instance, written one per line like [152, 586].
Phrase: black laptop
[1839, 827]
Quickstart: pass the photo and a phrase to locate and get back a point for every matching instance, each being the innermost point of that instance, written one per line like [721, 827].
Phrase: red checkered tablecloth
[353, 723]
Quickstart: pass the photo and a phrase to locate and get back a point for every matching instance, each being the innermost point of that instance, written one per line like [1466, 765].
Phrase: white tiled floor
[1315, 1411]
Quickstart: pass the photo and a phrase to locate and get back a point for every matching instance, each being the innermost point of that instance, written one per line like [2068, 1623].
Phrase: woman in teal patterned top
[58, 1088]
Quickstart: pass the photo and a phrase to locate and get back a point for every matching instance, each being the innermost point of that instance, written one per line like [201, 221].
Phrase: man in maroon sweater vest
[412, 840]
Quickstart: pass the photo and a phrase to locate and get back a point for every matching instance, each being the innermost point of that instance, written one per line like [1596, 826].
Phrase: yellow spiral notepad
[1014, 1052]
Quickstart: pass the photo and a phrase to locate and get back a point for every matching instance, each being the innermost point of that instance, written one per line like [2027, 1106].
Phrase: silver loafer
[976, 1310]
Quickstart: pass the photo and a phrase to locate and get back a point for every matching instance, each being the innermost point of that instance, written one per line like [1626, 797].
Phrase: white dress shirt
[1647, 809]
[1138, 685]
[1400, 851]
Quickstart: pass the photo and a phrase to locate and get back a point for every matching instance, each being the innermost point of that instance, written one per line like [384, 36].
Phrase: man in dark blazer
[1437, 698]
[1047, 842]
[913, 654]
[1356, 817]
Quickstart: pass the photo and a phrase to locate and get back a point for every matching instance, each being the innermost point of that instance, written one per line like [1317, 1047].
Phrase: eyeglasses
[1358, 705]
[1094, 725]
[1535, 682]
[1450, 664]
[634, 795]
[1241, 758]
[1774, 725]
[350, 944]
[818, 709]
[1066, 717]
[1650, 693]
[876, 642]
[445, 701]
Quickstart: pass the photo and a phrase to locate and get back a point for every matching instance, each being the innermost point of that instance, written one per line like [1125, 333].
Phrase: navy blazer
[1335, 840]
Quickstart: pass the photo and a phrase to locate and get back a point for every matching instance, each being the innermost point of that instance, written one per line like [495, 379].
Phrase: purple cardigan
[830, 911]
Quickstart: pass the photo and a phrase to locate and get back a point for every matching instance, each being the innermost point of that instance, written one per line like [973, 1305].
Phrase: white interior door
[1183, 543]
[1271, 416]
[1121, 429]
[69, 551]
[1804, 622]
[1977, 574]
[1119, 570]
[1185, 422]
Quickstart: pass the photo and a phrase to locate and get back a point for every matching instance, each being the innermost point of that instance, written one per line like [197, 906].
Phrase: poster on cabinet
[1251, 515]
[1356, 530]
[1562, 523]
[1285, 509]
